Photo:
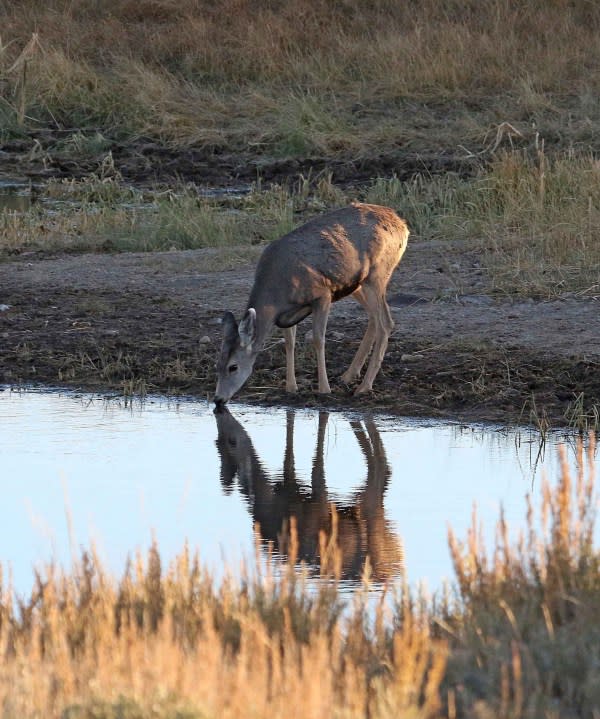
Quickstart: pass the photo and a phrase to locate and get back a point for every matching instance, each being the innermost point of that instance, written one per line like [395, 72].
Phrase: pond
[14, 196]
[81, 469]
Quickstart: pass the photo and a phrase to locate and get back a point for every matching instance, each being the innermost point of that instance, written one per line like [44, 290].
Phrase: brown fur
[352, 251]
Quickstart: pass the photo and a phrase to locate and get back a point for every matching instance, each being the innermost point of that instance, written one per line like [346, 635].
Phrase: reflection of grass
[520, 637]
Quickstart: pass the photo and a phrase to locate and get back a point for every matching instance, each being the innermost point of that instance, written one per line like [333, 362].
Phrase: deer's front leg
[289, 334]
[320, 315]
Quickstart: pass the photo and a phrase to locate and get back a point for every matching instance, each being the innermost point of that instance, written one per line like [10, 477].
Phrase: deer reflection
[362, 528]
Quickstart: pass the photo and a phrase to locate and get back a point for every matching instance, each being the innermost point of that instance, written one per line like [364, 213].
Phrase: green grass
[81, 145]
[535, 221]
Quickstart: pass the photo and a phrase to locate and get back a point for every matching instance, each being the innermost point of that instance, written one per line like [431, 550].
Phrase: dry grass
[520, 637]
[536, 220]
[333, 78]
[174, 643]
[529, 628]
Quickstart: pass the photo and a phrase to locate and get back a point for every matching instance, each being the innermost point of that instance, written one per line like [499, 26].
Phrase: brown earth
[35, 158]
[150, 322]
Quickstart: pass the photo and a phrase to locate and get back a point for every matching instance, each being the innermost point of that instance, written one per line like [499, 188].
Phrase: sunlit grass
[535, 221]
[341, 79]
[174, 642]
[519, 636]
[529, 621]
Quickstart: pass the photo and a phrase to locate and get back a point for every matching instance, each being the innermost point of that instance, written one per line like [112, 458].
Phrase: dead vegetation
[321, 79]
[519, 637]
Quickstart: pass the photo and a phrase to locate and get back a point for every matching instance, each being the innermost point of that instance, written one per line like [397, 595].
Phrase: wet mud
[37, 157]
[141, 323]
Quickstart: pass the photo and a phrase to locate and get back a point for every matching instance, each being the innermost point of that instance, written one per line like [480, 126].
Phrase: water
[14, 196]
[19, 197]
[80, 469]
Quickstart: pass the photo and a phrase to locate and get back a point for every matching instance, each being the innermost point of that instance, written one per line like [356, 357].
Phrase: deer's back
[336, 251]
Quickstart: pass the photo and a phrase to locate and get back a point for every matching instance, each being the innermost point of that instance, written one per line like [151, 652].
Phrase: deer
[352, 251]
[361, 527]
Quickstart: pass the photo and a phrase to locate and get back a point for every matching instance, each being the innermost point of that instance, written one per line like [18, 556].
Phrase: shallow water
[14, 196]
[18, 196]
[82, 469]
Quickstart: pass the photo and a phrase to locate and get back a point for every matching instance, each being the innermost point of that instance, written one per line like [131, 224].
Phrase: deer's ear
[247, 328]
[230, 329]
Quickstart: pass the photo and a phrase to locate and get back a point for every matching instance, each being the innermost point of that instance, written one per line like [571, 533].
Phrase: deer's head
[238, 353]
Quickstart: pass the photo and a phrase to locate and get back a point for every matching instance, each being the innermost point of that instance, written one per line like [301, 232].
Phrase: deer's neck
[265, 322]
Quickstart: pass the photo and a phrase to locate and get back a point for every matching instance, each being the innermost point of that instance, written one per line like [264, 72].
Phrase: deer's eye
[232, 368]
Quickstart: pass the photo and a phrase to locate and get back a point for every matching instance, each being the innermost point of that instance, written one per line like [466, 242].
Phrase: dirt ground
[34, 158]
[150, 323]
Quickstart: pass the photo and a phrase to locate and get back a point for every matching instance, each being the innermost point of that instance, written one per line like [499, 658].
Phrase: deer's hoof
[363, 389]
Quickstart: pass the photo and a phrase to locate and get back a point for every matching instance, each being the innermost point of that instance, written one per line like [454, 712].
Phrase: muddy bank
[37, 157]
[150, 322]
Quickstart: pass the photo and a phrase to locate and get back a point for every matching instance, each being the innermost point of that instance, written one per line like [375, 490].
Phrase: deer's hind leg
[380, 315]
[366, 343]
[321, 308]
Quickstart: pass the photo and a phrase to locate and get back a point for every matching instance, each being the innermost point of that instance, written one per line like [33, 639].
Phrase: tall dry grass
[520, 637]
[529, 628]
[313, 77]
[175, 643]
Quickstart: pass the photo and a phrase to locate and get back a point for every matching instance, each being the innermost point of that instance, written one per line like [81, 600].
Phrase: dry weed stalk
[160, 642]
[18, 69]
[531, 607]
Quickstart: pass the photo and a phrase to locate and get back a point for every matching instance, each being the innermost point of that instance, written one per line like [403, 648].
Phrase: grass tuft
[518, 637]
[349, 79]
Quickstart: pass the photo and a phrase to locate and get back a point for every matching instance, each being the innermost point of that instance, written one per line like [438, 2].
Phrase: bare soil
[150, 322]
[35, 158]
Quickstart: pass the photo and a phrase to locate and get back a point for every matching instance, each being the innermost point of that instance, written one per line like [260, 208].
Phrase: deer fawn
[352, 251]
